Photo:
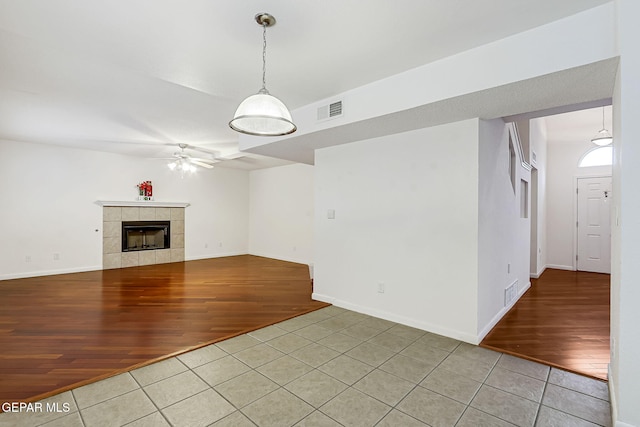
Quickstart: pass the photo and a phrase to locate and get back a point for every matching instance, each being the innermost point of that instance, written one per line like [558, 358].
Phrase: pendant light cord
[264, 58]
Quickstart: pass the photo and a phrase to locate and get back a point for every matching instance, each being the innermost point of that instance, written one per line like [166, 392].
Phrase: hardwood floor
[59, 332]
[562, 320]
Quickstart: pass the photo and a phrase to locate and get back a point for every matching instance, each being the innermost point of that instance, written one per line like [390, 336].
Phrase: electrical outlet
[381, 288]
[206, 245]
[27, 258]
[56, 256]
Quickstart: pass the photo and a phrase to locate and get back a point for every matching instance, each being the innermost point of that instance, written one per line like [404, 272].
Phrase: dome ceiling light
[263, 114]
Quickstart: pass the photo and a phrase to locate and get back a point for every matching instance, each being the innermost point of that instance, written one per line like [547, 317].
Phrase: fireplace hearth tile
[177, 255]
[112, 229]
[147, 214]
[111, 261]
[177, 241]
[177, 214]
[130, 259]
[111, 213]
[163, 256]
[146, 257]
[111, 245]
[177, 227]
[130, 213]
[163, 214]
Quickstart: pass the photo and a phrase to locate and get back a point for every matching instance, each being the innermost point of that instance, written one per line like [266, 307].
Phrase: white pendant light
[263, 114]
[603, 137]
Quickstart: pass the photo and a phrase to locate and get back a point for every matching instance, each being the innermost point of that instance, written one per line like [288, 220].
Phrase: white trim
[281, 258]
[613, 402]
[207, 256]
[561, 267]
[49, 272]
[513, 127]
[145, 204]
[451, 333]
[539, 273]
[612, 396]
[483, 333]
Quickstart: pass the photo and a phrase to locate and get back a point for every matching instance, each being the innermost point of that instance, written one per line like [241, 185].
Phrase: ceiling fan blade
[209, 161]
[201, 149]
[199, 163]
[233, 156]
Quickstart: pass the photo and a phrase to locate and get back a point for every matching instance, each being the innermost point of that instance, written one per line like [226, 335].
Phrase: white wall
[503, 235]
[47, 206]
[562, 169]
[625, 274]
[406, 209]
[281, 213]
[538, 140]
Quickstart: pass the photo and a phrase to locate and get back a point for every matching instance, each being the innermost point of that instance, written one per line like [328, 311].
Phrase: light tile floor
[332, 367]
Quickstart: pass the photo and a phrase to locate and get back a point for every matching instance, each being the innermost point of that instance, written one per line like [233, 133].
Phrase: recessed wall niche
[114, 213]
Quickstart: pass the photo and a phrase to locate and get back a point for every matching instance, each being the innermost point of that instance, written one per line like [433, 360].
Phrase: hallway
[562, 321]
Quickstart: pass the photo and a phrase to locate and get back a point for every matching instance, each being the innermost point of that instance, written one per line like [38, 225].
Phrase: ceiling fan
[185, 163]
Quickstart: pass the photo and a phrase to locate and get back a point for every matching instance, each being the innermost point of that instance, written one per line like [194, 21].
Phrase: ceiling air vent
[331, 111]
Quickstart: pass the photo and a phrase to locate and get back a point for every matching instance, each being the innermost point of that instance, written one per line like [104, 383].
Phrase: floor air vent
[510, 293]
[331, 111]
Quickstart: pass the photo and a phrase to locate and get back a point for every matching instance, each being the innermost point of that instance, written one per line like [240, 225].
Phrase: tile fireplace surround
[113, 213]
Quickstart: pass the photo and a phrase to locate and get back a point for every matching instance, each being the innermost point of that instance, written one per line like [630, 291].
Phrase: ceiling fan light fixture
[263, 114]
[603, 137]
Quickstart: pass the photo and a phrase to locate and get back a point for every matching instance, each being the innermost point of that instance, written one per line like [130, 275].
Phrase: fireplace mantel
[143, 204]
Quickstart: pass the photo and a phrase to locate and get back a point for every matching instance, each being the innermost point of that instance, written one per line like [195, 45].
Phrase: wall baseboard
[39, 273]
[483, 333]
[538, 274]
[462, 336]
[612, 397]
[561, 267]
[282, 258]
[49, 272]
[208, 256]
[614, 404]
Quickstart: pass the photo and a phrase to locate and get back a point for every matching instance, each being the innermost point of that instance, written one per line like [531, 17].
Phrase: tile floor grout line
[77, 406]
[97, 382]
[484, 382]
[150, 399]
[544, 389]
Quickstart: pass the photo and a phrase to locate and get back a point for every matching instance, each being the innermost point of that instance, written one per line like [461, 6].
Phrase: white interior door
[594, 226]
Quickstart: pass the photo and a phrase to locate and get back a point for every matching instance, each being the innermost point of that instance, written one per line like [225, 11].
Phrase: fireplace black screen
[145, 235]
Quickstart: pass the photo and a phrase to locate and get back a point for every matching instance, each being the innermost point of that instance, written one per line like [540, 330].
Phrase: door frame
[575, 213]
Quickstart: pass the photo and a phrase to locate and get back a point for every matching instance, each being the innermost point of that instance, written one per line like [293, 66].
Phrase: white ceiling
[578, 126]
[140, 76]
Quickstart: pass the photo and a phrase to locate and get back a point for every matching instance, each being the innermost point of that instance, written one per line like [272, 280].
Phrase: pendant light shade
[603, 137]
[263, 114]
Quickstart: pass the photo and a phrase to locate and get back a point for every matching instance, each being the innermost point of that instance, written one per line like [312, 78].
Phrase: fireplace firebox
[145, 235]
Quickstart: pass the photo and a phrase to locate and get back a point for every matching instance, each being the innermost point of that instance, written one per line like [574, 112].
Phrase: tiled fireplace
[115, 213]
